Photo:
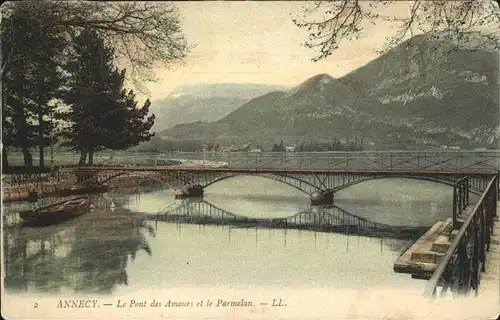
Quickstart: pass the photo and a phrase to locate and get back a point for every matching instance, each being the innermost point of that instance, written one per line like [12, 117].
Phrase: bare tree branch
[330, 22]
[142, 33]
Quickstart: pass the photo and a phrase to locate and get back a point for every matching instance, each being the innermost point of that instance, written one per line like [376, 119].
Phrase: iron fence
[461, 266]
[461, 194]
[472, 161]
[381, 160]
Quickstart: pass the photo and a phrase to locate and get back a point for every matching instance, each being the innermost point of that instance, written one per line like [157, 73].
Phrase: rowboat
[57, 212]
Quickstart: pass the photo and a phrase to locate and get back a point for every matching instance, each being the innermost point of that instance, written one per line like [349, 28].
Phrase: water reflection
[329, 218]
[87, 255]
[95, 253]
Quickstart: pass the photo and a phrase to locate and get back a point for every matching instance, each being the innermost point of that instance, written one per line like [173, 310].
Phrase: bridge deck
[490, 280]
[283, 170]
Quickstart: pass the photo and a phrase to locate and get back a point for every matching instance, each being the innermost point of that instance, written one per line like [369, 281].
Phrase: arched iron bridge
[305, 180]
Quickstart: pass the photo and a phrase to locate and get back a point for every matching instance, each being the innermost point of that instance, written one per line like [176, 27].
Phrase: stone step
[453, 234]
[422, 264]
[426, 257]
[441, 244]
[424, 253]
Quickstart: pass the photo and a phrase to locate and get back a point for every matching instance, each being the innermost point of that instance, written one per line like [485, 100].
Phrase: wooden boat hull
[58, 212]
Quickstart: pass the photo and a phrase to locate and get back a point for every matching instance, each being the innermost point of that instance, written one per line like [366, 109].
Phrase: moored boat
[57, 212]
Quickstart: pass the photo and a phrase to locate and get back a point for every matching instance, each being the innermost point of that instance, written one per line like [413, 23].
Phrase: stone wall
[20, 193]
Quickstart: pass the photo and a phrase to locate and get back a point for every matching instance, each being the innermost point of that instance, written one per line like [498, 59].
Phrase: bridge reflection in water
[327, 218]
[93, 253]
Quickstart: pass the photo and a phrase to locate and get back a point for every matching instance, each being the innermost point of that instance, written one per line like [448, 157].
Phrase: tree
[142, 33]
[19, 132]
[35, 35]
[281, 146]
[103, 114]
[133, 126]
[331, 22]
[16, 130]
[43, 84]
[30, 80]
[7, 137]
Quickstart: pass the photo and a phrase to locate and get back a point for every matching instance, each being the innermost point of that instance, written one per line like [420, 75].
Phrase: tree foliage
[279, 147]
[31, 80]
[331, 22]
[103, 114]
[142, 33]
[37, 38]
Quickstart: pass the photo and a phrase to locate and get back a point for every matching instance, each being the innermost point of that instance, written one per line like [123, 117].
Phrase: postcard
[250, 160]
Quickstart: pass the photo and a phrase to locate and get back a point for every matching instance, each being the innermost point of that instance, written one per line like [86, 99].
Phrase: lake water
[119, 251]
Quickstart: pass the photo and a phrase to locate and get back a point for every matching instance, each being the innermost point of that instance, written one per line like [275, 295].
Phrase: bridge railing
[460, 268]
[376, 160]
[460, 198]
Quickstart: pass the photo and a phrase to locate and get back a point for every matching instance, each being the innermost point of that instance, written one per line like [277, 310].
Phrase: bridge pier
[195, 191]
[322, 197]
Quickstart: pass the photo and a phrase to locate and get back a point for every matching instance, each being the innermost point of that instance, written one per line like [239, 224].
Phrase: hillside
[320, 108]
[421, 92]
[204, 102]
[430, 86]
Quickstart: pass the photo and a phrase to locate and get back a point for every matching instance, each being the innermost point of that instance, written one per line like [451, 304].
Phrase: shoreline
[69, 187]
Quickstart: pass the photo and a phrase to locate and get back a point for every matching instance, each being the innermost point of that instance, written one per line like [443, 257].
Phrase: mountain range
[424, 92]
[205, 102]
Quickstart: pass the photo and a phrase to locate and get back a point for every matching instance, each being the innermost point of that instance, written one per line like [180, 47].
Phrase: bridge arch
[145, 174]
[275, 177]
[161, 177]
[410, 177]
[304, 182]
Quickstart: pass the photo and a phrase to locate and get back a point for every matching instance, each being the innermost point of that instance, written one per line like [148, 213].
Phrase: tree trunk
[5, 161]
[83, 157]
[91, 156]
[28, 158]
[40, 140]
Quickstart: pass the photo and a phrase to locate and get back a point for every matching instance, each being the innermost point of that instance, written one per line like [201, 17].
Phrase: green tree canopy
[103, 114]
[31, 80]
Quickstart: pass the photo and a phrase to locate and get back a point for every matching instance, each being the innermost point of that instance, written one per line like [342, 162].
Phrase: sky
[257, 42]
